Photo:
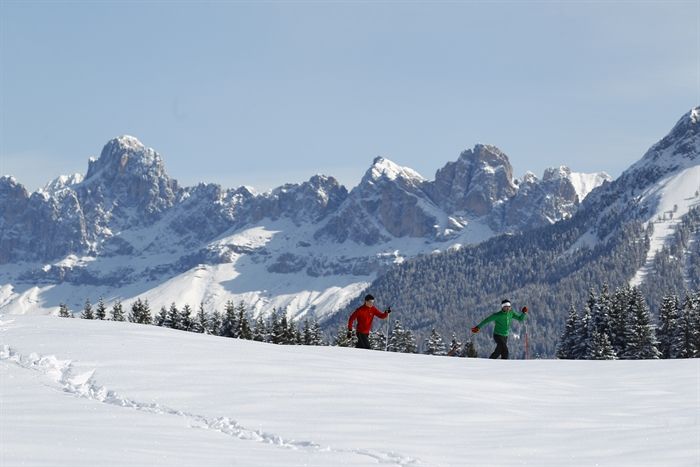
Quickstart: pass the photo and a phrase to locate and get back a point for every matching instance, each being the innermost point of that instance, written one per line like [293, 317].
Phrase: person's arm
[353, 317]
[521, 316]
[487, 320]
[378, 313]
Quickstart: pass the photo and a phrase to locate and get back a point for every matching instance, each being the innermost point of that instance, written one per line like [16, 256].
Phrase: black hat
[505, 300]
[369, 297]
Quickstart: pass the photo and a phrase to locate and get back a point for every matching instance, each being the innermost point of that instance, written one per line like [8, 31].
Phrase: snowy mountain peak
[126, 155]
[61, 183]
[385, 169]
[695, 115]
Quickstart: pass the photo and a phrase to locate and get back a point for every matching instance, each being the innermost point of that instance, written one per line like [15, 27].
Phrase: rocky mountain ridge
[127, 222]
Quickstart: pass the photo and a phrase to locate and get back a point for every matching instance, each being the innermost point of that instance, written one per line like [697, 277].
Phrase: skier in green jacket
[502, 329]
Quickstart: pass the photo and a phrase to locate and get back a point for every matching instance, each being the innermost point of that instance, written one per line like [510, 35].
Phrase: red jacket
[364, 316]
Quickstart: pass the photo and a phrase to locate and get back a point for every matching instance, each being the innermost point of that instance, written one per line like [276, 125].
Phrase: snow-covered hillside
[84, 393]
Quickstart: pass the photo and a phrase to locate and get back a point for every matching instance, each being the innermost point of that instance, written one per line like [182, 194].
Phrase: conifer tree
[568, 343]
[410, 345]
[87, 311]
[641, 339]
[396, 338]
[260, 329]
[186, 318]
[63, 311]
[161, 317]
[584, 338]
[282, 334]
[135, 313]
[600, 348]
[455, 346]
[201, 321]
[229, 326]
[689, 324]
[101, 311]
[215, 324]
[377, 340]
[435, 344]
[172, 318]
[146, 317]
[276, 333]
[669, 331]
[244, 331]
[619, 312]
[117, 313]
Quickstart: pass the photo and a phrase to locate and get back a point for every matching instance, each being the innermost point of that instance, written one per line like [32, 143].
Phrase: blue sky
[266, 93]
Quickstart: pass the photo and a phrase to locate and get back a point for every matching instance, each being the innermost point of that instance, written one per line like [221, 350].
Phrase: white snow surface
[83, 393]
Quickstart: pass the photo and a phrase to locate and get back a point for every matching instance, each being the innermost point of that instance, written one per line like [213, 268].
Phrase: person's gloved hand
[475, 329]
[388, 310]
[524, 309]
[349, 334]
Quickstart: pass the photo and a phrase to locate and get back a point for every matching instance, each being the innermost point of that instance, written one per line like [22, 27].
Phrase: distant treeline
[612, 325]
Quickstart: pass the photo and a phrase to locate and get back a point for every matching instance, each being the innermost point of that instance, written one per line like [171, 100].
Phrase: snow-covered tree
[117, 312]
[568, 343]
[162, 317]
[172, 319]
[215, 323]
[101, 310]
[243, 331]
[435, 344]
[186, 318]
[600, 348]
[63, 311]
[377, 340]
[229, 325]
[455, 346]
[87, 311]
[690, 326]
[641, 338]
[669, 332]
[201, 320]
[260, 330]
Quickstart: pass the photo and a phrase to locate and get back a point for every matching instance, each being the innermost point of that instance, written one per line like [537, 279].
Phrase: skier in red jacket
[364, 316]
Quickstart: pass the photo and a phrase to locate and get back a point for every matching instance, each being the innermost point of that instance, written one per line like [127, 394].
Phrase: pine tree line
[619, 326]
[236, 322]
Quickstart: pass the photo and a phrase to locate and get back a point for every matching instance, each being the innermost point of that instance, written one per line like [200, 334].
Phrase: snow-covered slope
[84, 393]
[128, 230]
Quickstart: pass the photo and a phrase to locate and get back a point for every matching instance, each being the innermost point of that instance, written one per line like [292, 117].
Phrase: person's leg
[363, 341]
[501, 346]
[497, 351]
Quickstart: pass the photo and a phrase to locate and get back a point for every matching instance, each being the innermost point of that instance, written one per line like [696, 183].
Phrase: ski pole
[388, 329]
[527, 344]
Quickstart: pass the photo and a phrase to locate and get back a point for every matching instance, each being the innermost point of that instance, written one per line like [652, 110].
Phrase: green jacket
[502, 319]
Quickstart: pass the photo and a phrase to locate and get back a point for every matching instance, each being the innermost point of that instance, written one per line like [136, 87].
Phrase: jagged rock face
[389, 202]
[127, 176]
[475, 183]
[37, 226]
[308, 202]
[540, 202]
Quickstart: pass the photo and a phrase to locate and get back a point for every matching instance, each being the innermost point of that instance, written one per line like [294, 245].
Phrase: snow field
[85, 393]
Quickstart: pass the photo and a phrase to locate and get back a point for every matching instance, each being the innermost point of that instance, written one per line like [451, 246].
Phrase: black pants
[363, 341]
[501, 347]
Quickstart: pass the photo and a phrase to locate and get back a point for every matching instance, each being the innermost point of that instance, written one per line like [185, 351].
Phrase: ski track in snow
[83, 385]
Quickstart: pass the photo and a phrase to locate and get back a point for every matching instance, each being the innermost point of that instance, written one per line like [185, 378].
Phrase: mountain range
[126, 229]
